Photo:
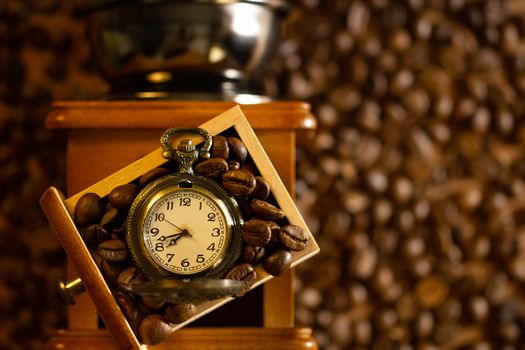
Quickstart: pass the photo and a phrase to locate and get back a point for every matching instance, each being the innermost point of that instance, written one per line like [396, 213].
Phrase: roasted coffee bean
[178, 313]
[213, 167]
[128, 277]
[237, 149]
[262, 188]
[253, 255]
[431, 291]
[278, 262]
[243, 272]
[276, 230]
[238, 182]
[256, 233]
[115, 236]
[234, 165]
[112, 218]
[93, 235]
[266, 210]
[111, 270]
[122, 196]
[293, 237]
[152, 175]
[113, 250]
[153, 329]
[89, 209]
[364, 261]
[220, 147]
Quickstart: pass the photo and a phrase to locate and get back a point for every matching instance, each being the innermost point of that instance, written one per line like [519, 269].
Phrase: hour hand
[163, 238]
[179, 235]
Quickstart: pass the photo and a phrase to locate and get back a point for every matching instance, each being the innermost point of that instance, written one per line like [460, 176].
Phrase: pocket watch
[184, 226]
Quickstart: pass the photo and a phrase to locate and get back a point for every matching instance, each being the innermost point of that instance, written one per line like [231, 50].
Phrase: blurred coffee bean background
[413, 183]
[43, 57]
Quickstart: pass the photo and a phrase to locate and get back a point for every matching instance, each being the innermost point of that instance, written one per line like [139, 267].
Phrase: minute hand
[172, 224]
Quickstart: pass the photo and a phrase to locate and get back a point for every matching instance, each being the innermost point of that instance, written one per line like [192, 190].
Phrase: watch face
[184, 226]
[185, 231]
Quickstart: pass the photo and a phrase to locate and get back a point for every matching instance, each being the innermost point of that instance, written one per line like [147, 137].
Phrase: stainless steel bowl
[182, 48]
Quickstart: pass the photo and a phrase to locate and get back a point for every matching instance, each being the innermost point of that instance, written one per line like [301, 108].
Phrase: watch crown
[186, 146]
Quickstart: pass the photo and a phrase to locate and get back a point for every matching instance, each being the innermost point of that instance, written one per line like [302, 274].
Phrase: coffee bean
[237, 149]
[128, 277]
[238, 182]
[364, 261]
[113, 250]
[234, 165]
[112, 218]
[262, 188]
[93, 235]
[276, 230]
[278, 262]
[153, 329]
[220, 147]
[256, 233]
[213, 167]
[253, 255]
[431, 291]
[122, 196]
[111, 270]
[293, 237]
[243, 272]
[266, 210]
[89, 209]
[152, 175]
[178, 313]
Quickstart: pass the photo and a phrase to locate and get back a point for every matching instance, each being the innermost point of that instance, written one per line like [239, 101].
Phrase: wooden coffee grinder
[175, 84]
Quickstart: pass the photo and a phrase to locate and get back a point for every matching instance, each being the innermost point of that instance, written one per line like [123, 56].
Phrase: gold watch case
[182, 182]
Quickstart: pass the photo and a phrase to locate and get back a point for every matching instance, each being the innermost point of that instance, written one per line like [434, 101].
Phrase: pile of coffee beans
[268, 237]
[415, 179]
[43, 57]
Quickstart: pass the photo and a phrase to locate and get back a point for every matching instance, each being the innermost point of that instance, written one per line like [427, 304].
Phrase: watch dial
[185, 232]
